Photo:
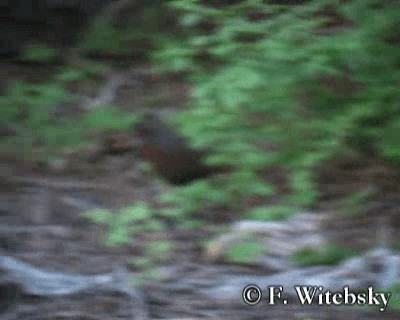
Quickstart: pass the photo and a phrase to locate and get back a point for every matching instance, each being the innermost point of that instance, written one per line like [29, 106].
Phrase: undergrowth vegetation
[286, 87]
[328, 254]
[49, 116]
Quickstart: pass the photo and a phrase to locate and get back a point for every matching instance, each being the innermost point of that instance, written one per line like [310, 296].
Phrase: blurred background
[268, 153]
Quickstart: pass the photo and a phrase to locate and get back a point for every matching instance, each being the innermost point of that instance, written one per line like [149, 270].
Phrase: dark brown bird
[170, 154]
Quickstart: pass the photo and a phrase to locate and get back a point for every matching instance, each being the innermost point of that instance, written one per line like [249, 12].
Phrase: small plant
[83, 70]
[131, 221]
[396, 244]
[127, 35]
[353, 203]
[39, 53]
[395, 298]
[245, 251]
[328, 254]
[46, 115]
[126, 222]
[269, 213]
[103, 35]
[158, 250]
[107, 117]
[29, 107]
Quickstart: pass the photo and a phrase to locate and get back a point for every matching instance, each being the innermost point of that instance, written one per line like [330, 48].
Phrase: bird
[169, 152]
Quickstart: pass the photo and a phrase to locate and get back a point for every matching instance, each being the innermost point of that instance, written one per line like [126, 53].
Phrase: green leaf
[328, 254]
[245, 251]
[39, 53]
[101, 216]
[276, 212]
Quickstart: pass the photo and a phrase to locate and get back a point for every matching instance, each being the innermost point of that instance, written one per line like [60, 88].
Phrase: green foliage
[352, 204]
[126, 222]
[328, 254]
[191, 197]
[395, 298]
[284, 89]
[83, 70]
[135, 220]
[126, 35]
[107, 117]
[103, 35]
[245, 251]
[390, 140]
[277, 212]
[30, 107]
[396, 244]
[47, 115]
[158, 249]
[29, 101]
[39, 53]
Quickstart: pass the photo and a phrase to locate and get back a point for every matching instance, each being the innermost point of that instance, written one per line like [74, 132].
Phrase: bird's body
[170, 154]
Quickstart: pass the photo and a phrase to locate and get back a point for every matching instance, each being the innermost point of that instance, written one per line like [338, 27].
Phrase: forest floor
[70, 242]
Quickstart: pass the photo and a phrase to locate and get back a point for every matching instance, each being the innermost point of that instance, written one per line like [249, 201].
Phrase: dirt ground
[70, 243]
